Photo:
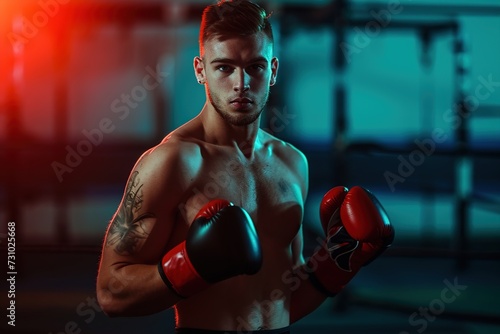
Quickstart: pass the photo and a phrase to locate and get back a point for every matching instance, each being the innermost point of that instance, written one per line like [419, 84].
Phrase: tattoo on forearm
[126, 230]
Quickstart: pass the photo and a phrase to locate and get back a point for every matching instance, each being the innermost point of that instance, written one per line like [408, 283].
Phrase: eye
[223, 68]
[257, 67]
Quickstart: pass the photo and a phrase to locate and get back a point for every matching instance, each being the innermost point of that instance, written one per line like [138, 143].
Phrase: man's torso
[271, 191]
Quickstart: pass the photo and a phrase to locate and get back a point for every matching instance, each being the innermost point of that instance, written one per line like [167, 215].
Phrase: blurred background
[402, 97]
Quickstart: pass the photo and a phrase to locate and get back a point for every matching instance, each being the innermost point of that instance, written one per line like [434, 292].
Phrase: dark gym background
[402, 97]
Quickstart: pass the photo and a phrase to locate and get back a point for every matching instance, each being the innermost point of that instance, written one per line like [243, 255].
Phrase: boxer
[210, 222]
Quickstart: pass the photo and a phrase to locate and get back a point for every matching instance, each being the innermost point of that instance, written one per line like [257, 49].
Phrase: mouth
[241, 103]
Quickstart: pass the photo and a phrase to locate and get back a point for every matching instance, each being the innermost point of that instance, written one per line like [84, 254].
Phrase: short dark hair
[227, 19]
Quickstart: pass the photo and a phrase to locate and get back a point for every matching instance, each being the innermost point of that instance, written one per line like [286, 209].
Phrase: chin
[241, 117]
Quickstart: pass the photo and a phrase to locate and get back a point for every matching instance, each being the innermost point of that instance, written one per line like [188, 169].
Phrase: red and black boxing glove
[358, 230]
[221, 243]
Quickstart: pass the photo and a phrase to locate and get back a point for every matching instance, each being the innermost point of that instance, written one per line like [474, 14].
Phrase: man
[210, 222]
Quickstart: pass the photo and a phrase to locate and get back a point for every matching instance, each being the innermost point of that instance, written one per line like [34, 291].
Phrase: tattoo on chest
[126, 231]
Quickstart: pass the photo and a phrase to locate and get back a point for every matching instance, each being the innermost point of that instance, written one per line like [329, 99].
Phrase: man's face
[238, 73]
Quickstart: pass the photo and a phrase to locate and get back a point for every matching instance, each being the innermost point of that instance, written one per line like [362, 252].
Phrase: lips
[241, 103]
[242, 100]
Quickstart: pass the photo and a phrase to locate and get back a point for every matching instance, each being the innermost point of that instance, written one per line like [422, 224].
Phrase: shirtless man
[210, 221]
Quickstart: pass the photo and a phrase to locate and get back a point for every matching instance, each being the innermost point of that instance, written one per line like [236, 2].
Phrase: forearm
[133, 290]
[305, 296]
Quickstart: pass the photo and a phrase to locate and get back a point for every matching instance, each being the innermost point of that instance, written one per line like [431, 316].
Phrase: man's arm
[305, 298]
[128, 281]
[357, 231]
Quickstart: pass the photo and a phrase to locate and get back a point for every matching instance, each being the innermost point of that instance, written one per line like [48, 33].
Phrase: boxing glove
[220, 243]
[358, 230]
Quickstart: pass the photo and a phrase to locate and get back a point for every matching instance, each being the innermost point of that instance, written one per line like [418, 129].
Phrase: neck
[218, 131]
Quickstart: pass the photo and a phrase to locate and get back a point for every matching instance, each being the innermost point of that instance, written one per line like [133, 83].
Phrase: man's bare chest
[269, 192]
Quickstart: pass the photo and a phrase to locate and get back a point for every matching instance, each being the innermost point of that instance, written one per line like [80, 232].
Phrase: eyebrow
[231, 61]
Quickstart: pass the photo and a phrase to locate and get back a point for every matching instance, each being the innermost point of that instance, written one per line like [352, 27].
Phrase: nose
[242, 81]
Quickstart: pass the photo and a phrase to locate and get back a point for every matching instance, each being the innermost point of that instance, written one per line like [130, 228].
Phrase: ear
[274, 71]
[199, 69]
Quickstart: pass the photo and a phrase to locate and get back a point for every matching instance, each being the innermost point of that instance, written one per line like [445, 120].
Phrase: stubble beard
[242, 118]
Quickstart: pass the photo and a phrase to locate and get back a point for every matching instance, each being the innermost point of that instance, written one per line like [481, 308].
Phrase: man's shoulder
[282, 148]
[174, 151]
[286, 152]
[291, 157]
